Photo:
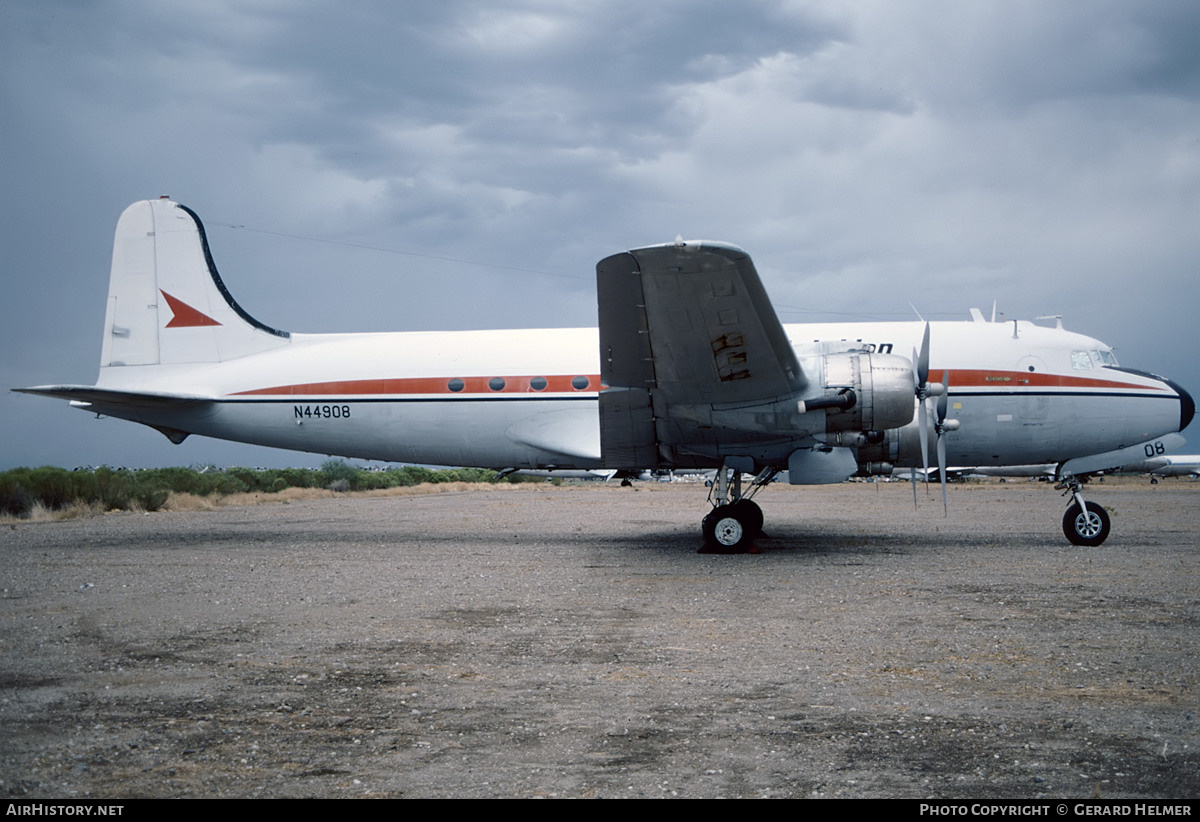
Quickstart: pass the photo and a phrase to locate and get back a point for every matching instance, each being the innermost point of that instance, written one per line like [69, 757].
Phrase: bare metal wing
[690, 346]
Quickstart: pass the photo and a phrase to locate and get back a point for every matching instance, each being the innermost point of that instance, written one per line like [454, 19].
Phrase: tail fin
[166, 301]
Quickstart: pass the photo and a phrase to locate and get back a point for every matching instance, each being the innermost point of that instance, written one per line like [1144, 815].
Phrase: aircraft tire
[726, 531]
[1088, 531]
[749, 513]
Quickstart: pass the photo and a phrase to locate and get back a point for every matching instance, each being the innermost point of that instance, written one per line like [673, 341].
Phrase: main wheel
[749, 513]
[1089, 529]
[726, 530]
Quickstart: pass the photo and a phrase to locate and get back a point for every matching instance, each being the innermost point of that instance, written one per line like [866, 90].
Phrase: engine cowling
[882, 386]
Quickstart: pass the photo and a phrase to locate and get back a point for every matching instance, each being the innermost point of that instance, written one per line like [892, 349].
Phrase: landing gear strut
[1085, 523]
[734, 522]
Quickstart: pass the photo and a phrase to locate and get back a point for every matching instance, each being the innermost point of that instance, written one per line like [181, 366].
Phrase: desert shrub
[15, 498]
[474, 474]
[341, 472]
[227, 483]
[53, 489]
[151, 499]
[299, 477]
[419, 474]
[247, 478]
[180, 480]
[112, 488]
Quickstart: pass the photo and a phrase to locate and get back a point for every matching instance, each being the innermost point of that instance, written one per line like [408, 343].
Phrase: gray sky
[1043, 155]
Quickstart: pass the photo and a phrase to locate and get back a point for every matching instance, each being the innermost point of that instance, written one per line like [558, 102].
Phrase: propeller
[920, 361]
[924, 390]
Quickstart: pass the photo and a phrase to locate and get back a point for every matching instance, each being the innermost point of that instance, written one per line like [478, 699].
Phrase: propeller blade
[941, 458]
[923, 432]
[922, 361]
[942, 405]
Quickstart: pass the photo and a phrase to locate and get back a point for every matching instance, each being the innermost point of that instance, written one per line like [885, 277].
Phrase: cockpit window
[1105, 357]
[1080, 361]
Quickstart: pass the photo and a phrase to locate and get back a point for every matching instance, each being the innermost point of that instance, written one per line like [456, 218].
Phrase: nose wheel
[1087, 527]
[1085, 523]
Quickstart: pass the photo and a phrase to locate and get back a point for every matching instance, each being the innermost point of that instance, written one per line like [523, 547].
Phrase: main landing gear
[735, 520]
[1085, 523]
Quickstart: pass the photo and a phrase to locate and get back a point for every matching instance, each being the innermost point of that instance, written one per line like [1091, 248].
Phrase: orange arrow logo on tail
[185, 315]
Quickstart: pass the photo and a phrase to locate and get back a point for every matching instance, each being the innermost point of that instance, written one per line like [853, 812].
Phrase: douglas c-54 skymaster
[690, 368]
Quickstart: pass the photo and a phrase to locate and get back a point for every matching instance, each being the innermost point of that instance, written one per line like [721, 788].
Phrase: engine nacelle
[882, 385]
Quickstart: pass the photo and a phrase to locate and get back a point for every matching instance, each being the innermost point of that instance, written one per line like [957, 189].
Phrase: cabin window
[1080, 361]
[538, 383]
[579, 383]
[455, 385]
[496, 383]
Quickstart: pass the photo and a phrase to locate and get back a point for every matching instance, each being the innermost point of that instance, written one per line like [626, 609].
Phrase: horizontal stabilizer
[108, 396]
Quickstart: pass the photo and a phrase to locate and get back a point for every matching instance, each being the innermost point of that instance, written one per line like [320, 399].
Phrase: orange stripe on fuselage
[960, 379]
[973, 378]
[558, 384]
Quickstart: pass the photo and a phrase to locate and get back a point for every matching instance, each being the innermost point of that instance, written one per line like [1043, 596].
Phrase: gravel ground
[571, 642]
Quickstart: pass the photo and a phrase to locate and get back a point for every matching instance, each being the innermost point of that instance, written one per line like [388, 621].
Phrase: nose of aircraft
[1187, 406]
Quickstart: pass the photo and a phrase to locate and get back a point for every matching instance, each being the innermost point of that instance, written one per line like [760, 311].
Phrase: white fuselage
[1022, 393]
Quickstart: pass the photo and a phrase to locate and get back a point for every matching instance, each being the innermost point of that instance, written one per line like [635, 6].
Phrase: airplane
[1175, 465]
[1046, 471]
[594, 474]
[690, 368]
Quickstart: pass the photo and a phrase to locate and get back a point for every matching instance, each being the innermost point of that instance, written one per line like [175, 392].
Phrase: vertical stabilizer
[166, 301]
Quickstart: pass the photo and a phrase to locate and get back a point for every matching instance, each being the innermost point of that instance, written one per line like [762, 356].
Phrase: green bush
[22, 488]
[340, 473]
[52, 486]
[15, 498]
